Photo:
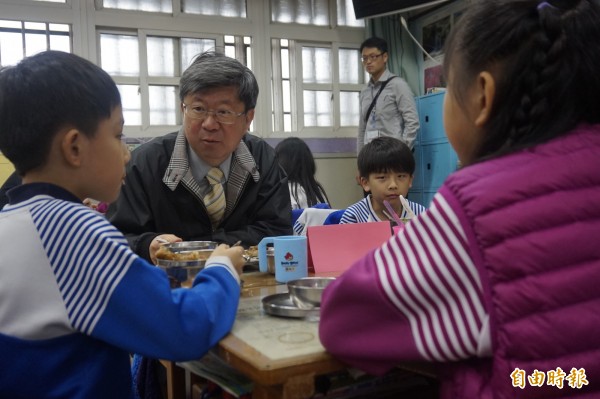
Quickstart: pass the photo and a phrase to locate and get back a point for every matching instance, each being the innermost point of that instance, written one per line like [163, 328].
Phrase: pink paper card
[335, 247]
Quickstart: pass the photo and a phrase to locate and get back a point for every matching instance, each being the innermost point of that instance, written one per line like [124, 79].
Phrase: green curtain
[402, 58]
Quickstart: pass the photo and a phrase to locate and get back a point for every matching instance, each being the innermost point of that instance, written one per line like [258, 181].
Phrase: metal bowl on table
[183, 260]
[306, 292]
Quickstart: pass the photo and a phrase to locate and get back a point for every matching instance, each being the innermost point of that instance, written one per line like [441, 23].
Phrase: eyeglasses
[370, 57]
[222, 116]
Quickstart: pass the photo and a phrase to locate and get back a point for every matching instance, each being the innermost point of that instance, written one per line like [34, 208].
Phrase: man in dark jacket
[170, 192]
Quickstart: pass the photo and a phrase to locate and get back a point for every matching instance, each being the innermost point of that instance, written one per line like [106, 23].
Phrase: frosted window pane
[161, 57]
[316, 65]
[35, 26]
[11, 48]
[345, 14]
[287, 107]
[54, 1]
[34, 43]
[59, 27]
[60, 43]
[225, 8]
[349, 108]
[190, 48]
[229, 39]
[132, 104]
[287, 123]
[249, 57]
[309, 12]
[350, 66]
[285, 63]
[119, 54]
[141, 5]
[163, 105]
[10, 24]
[28, 38]
[317, 108]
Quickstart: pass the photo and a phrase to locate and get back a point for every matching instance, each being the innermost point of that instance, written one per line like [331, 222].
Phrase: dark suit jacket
[160, 196]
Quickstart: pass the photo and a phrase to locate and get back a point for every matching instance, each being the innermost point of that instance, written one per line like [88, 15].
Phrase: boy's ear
[71, 147]
[485, 92]
[364, 182]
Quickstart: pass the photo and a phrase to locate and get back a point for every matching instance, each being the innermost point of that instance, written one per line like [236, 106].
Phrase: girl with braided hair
[496, 283]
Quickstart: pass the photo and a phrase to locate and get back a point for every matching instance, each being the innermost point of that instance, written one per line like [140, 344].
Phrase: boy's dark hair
[385, 154]
[47, 92]
[296, 159]
[544, 58]
[375, 42]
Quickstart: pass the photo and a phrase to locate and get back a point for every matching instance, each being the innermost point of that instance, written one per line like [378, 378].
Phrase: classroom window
[345, 14]
[149, 86]
[350, 67]
[120, 54]
[315, 87]
[19, 39]
[164, 101]
[317, 108]
[140, 5]
[146, 44]
[349, 108]
[225, 8]
[131, 102]
[311, 12]
[307, 12]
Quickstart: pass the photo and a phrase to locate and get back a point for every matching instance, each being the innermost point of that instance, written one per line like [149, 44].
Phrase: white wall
[337, 175]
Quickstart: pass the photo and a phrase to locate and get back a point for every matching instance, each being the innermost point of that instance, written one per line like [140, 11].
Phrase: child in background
[386, 167]
[297, 161]
[74, 299]
[497, 281]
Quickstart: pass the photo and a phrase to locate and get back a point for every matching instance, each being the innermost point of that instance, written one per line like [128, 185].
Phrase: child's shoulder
[66, 218]
[364, 202]
[416, 207]
[356, 212]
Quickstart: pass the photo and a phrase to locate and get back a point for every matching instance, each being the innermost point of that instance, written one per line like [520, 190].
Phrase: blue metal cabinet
[417, 183]
[430, 108]
[438, 161]
[435, 158]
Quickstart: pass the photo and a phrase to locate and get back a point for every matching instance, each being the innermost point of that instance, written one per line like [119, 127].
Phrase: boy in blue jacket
[74, 299]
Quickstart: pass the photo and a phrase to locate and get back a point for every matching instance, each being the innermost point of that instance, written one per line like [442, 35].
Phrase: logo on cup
[289, 257]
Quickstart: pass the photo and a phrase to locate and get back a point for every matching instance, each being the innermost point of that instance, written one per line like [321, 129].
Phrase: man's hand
[158, 241]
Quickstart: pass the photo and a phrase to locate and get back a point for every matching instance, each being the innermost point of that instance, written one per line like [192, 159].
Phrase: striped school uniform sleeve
[416, 298]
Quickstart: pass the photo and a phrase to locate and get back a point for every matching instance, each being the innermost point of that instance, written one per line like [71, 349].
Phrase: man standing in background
[387, 105]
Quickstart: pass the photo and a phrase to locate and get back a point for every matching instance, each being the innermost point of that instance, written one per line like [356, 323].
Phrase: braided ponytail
[537, 83]
[543, 56]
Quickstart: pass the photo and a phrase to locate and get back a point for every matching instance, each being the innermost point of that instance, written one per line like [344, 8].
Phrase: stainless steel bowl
[306, 292]
[182, 272]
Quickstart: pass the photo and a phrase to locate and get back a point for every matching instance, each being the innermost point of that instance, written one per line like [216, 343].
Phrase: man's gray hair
[211, 70]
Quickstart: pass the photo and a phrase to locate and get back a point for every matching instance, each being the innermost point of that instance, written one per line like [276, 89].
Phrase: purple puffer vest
[535, 238]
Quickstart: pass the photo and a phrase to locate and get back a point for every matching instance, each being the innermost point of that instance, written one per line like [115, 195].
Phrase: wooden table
[282, 370]
[287, 376]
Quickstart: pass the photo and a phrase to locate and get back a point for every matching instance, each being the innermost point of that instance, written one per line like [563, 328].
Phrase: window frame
[87, 23]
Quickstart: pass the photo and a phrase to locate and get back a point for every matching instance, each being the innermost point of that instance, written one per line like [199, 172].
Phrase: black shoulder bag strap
[385, 82]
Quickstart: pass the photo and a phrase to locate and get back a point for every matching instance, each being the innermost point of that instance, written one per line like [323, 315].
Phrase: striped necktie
[215, 199]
